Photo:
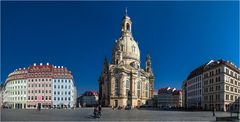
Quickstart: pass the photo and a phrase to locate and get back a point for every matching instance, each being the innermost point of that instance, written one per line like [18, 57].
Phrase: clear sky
[179, 36]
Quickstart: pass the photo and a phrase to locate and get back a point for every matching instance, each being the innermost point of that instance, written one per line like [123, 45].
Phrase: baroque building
[39, 86]
[123, 82]
[214, 85]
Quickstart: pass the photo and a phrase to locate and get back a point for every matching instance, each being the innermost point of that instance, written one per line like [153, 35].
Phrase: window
[138, 88]
[227, 88]
[54, 98]
[116, 87]
[232, 89]
[49, 91]
[62, 86]
[146, 93]
[127, 87]
[69, 93]
[231, 81]
[42, 85]
[49, 97]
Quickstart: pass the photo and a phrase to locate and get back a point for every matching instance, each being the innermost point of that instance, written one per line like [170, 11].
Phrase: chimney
[40, 64]
[47, 64]
[34, 64]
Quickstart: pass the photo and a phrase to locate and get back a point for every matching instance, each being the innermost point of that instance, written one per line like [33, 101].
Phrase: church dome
[126, 48]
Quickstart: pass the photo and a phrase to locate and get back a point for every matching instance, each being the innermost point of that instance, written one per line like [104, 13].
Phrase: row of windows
[232, 81]
[18, 93]
[17, 98]
[58, 93]
[228, 88]
[39, 91]
[18, 87]
[212, 73]
[18, 82]
[211, 81]
[61, 99]
[69, 81]
[39, 80]
[233, 74]
[195, 86]
[39, 85]
[43, 98]
[211, 89]
[195, 93]
[55, 86]
[196, 79]
[210, 98]
[231, 97]
[40, 75]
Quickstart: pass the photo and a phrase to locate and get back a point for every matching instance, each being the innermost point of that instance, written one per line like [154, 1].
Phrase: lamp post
[238, 113]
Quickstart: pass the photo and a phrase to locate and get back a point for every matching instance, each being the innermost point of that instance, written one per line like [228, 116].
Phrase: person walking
[95, 111]
[213, 111]
[100, 110]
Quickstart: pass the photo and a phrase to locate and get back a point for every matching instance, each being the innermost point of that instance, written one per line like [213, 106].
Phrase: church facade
[123, 82]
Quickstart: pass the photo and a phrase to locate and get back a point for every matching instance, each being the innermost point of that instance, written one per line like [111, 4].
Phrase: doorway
[116, 103]
[39, 106]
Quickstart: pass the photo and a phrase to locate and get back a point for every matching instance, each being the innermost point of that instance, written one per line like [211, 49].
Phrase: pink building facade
[39, 86]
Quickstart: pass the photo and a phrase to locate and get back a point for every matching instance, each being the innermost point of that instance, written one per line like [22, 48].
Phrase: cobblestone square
[86, 114]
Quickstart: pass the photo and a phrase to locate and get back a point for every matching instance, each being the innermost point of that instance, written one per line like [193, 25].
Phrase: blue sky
[179, 36]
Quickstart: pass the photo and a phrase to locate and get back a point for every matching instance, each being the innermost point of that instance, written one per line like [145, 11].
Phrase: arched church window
[128, 26]
[122, 47]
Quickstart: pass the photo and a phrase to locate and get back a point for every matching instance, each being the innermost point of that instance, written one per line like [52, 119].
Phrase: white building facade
[64, 91]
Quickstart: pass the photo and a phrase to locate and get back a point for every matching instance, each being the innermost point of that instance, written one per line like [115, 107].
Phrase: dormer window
[133, 48]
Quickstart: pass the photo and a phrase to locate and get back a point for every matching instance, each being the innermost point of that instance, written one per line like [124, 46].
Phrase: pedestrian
[213, 111]
[95, 111]
[100, 110]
